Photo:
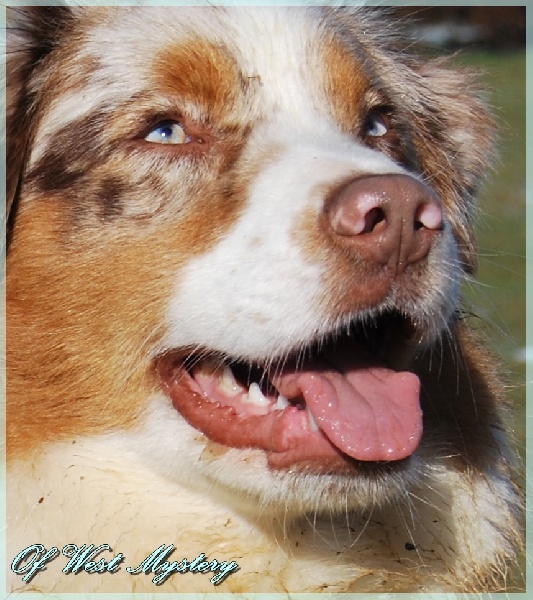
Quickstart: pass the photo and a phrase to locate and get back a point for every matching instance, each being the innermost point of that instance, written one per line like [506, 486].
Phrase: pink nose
[385, 219]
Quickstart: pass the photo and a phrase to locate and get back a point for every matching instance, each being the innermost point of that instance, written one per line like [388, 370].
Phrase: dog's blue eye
[167, 132]
[376, 125]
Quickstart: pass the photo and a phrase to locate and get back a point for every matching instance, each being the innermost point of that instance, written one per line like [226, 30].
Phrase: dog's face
[234, 229]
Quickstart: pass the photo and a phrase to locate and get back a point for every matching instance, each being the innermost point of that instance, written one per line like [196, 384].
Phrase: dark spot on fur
[111, 195]
[72, 153]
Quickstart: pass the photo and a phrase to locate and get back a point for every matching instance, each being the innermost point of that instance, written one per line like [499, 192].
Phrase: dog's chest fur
[71, 503]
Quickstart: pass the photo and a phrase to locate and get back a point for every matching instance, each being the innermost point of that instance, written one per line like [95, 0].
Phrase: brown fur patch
[205, 75]
[61, 297]
[356, 89]
[62, 286]
[346, 84]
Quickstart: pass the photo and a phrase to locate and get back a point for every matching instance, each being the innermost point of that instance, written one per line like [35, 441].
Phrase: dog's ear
[31, 34]
[454, 136]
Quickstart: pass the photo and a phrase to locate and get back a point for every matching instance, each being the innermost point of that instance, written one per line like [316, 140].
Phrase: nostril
[428, 215]
[372, 218]
[356, 211]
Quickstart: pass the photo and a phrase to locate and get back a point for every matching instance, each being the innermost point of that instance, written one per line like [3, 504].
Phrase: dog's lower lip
[345, 407]
[273, 430]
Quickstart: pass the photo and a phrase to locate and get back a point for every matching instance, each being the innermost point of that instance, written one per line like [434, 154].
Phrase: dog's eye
[376, 125]
[167, 132]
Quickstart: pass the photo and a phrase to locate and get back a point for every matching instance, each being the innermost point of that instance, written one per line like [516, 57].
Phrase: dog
[237, 355]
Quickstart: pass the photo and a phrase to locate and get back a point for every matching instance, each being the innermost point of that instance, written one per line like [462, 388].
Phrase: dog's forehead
[283, 50]
[261, 39]
[253, 62]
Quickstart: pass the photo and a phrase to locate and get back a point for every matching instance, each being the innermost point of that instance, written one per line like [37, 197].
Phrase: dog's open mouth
[335, 400]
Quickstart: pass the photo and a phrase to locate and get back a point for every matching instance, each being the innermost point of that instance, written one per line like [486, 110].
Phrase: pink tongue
[368, 412]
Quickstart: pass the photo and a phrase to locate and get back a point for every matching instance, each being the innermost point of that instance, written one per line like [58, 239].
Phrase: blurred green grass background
[499, 296]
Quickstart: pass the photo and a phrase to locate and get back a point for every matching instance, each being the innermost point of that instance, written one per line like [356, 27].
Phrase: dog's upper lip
[361, 408]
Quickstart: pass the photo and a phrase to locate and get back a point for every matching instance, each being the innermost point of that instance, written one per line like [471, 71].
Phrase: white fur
[257, 279]
[273, 550]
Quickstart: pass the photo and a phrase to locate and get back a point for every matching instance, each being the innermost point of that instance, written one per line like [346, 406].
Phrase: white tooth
[228, 383]
[312, 423]
[281, 403]
[255, 396]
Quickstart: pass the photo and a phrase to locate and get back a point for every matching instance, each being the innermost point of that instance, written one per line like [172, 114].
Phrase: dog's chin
[320, 488]
[344, 406]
